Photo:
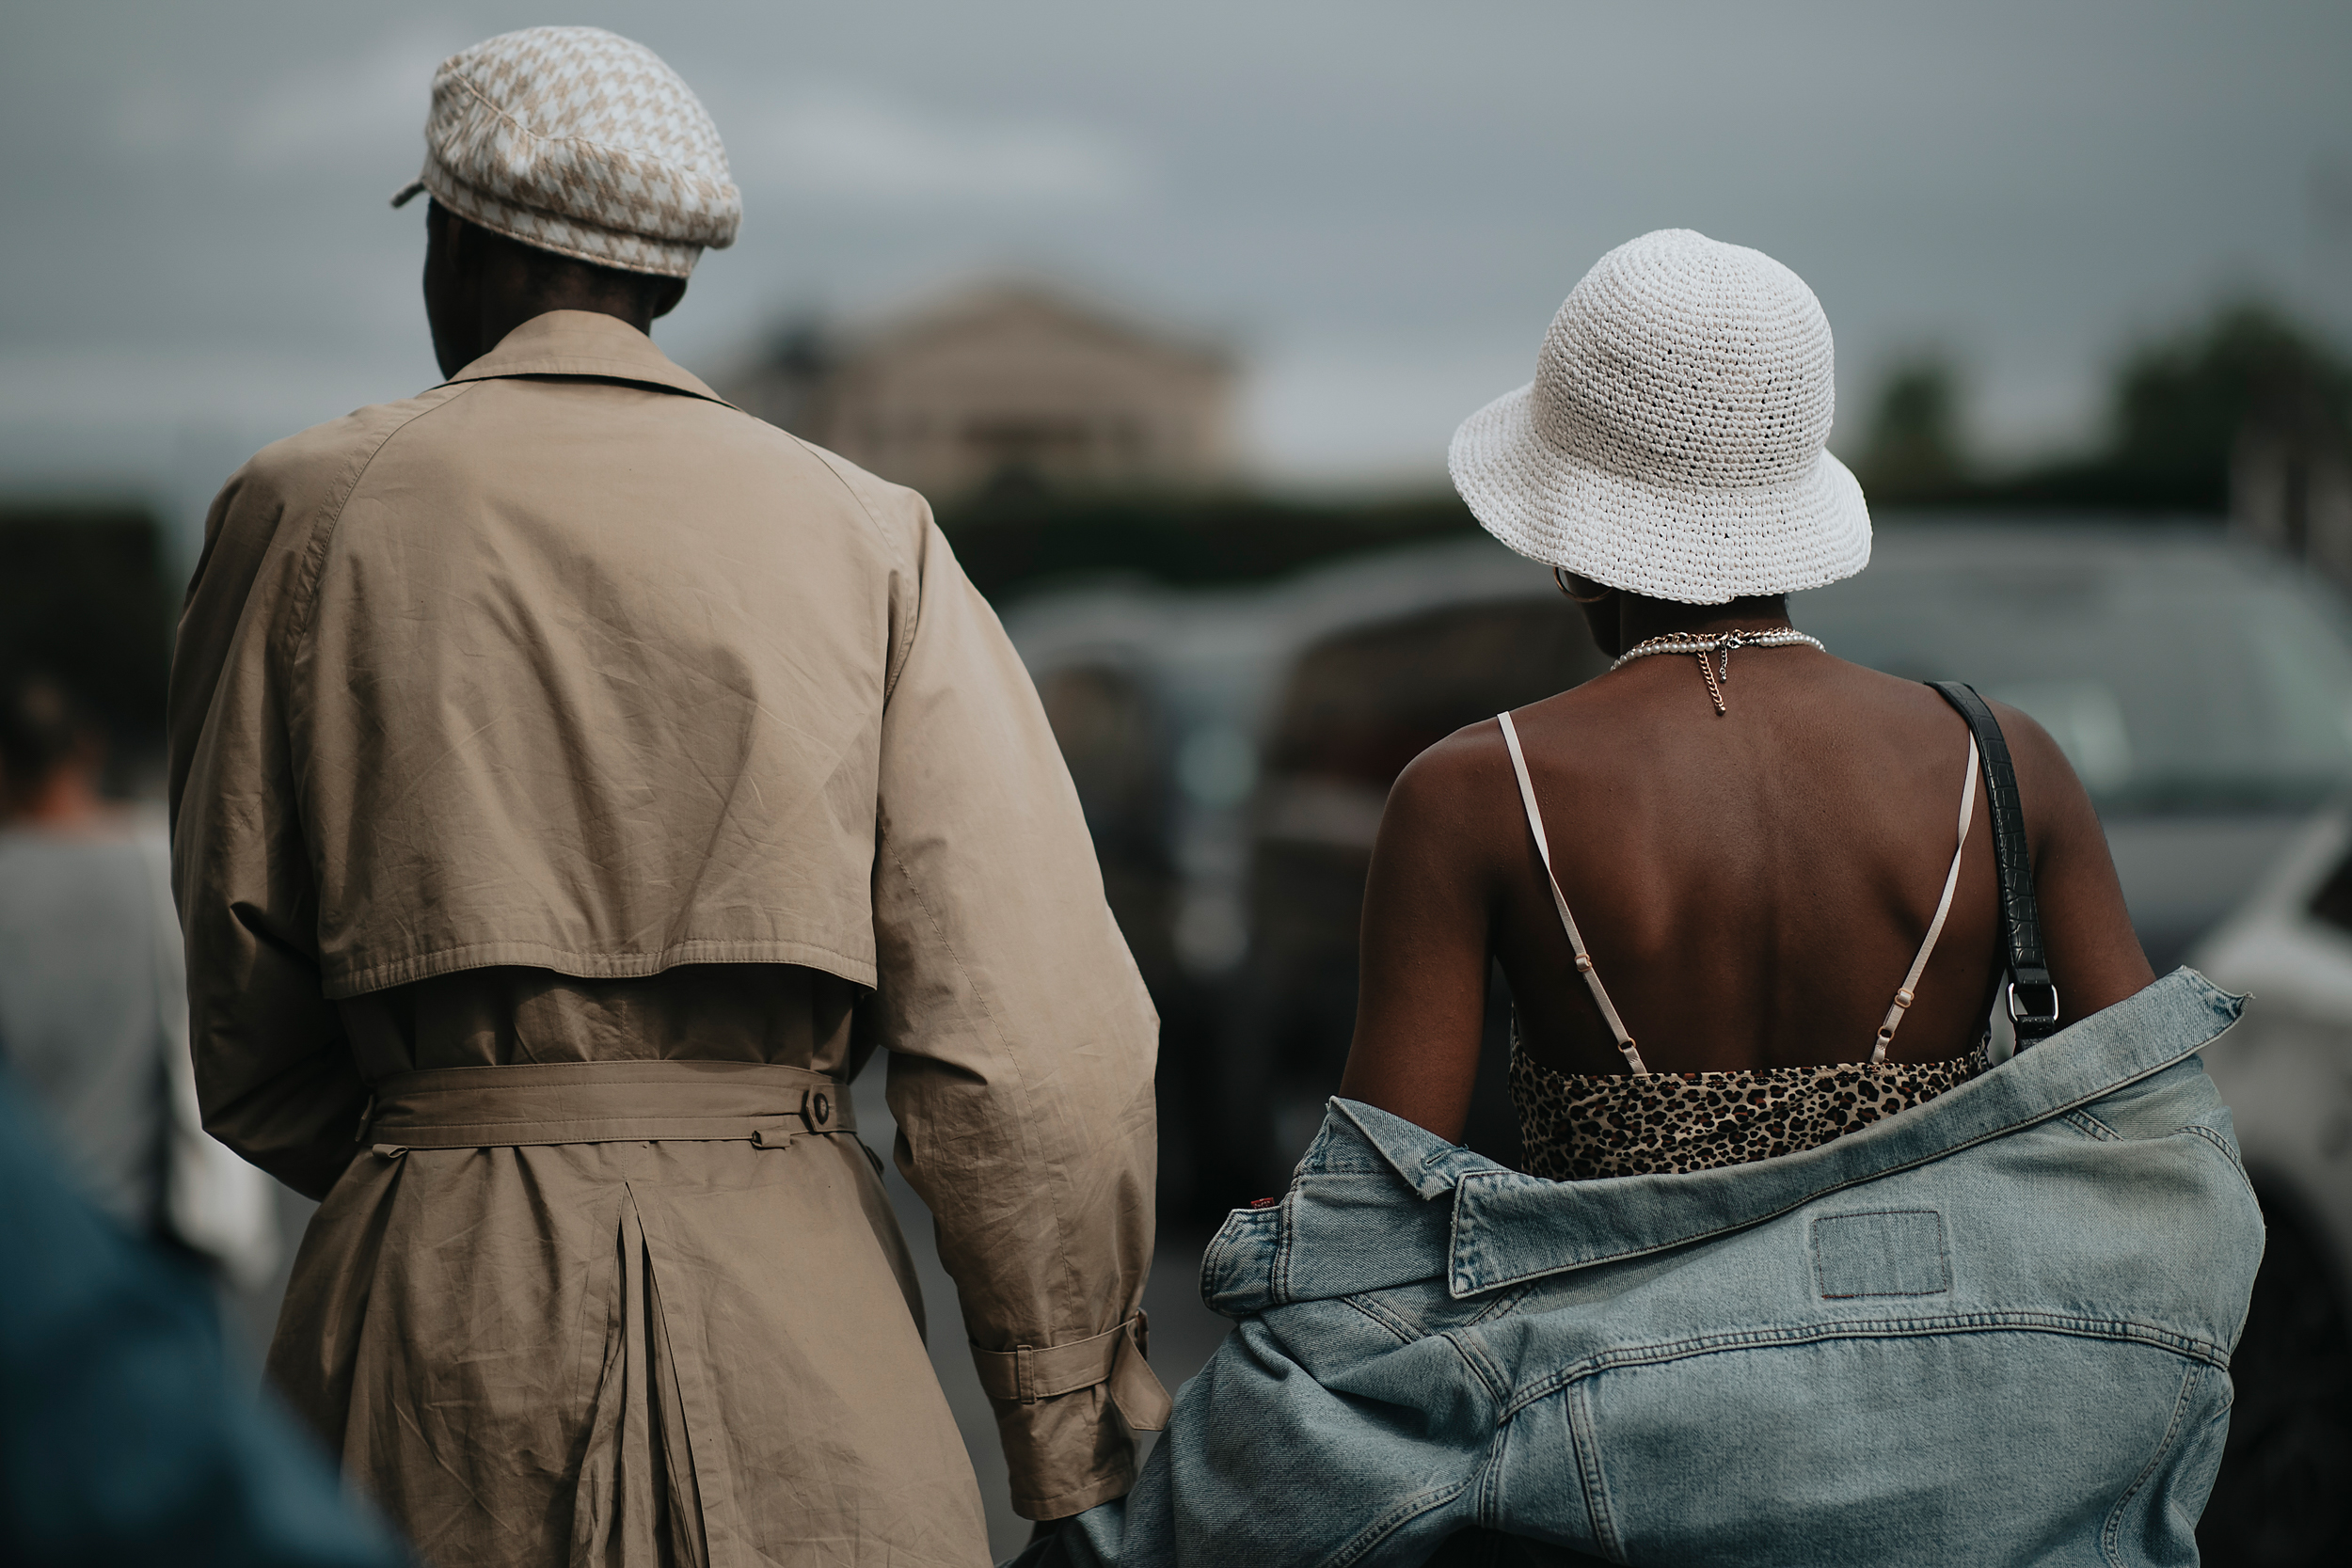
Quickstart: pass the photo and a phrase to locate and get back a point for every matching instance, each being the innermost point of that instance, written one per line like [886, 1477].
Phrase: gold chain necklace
[1709, 646]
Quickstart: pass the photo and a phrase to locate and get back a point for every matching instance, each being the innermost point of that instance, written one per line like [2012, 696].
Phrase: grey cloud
[1390, 197]
[861, 145]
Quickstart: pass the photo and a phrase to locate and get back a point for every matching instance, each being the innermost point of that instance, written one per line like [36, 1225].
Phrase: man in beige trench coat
[574, 781]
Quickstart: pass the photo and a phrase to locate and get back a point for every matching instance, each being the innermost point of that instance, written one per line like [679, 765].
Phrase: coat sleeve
[1022, 1041]
[275, 1079]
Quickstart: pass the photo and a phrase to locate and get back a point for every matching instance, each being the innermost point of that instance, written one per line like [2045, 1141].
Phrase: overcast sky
[1380, 204]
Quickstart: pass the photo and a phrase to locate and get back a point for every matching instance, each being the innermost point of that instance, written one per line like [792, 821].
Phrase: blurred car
[1148, 694]
[1356, 705]
[2202, 688]
[1232, 750]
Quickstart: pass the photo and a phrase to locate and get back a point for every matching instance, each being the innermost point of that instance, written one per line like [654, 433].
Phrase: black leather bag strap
[2031, 999]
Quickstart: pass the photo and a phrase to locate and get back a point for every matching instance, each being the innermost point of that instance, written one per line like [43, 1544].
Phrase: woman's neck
[1639, 619]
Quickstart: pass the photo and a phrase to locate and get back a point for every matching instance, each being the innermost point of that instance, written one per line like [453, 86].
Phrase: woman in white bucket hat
[1798, 1276]
[1771, 881]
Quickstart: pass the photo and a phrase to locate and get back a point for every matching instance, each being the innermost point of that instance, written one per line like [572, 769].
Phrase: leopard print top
[1576, 1127]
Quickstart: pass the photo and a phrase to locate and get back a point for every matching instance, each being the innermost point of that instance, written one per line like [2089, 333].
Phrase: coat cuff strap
[1028, 1374]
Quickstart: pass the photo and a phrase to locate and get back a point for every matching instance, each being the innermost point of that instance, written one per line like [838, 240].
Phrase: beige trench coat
[566, 725]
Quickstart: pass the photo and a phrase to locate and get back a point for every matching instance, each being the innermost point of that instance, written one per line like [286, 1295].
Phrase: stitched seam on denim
[1396, 1518]
[1210, 1258]
[1457, 1285]
[1488, 1510]
[2171, 1432]
[1501, 1306]
[1943, 1255]
[1252, 1235]
[2237, 1162]
[2200, 1130]
[1407, 1331]
[1215, 1255]
[1279, 1277]
[1496, 1381]
[1587, 1445]
[1873, 1328]
[1319, 1150]
[2091, 1126]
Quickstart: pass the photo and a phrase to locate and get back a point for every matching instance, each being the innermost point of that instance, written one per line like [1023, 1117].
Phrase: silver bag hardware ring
[589, 1102]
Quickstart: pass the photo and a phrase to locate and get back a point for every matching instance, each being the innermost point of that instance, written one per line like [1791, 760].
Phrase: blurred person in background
[574, 780]
[124, 1435]
[93, 1009]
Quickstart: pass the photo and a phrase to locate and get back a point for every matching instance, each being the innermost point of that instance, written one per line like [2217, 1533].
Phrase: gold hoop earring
[1559, 575]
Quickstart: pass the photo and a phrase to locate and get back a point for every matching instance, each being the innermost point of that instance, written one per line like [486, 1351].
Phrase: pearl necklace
[1704, 646]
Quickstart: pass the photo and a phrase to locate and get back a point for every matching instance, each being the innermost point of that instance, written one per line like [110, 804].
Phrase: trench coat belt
[1027, 1373]
[589, 1102]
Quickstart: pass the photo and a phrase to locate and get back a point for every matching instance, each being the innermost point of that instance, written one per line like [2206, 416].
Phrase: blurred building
[1005, 382]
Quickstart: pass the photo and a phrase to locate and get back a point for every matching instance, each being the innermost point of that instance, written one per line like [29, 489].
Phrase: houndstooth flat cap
[1671, 442]
[576, 140]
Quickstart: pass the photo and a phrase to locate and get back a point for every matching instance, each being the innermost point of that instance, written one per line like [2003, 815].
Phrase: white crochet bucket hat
[1671, 442]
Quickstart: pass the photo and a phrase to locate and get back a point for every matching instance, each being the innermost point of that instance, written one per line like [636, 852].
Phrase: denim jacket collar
[1507, 1228]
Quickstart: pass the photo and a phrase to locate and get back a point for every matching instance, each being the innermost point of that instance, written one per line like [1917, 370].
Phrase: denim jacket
[1993, 1329]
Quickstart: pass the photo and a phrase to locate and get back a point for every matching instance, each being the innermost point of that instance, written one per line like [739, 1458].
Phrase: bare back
[1753, 886]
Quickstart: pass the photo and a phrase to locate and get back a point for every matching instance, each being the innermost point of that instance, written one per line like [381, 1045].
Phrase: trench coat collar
[1507, 1227]
[583, 343]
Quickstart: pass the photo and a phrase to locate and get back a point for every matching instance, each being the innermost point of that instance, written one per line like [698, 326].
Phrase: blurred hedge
[1014, 540]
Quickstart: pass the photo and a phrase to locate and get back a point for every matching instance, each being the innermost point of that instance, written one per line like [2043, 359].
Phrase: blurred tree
[1914, 452]
[2246, 404]
[2184, 408]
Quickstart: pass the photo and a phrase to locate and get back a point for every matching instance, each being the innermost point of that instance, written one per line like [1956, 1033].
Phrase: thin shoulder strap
[1910, 988]
[2033, 1001]
[1560, 900]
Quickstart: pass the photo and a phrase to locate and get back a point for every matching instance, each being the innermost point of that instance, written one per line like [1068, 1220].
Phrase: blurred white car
[2286, 1069]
